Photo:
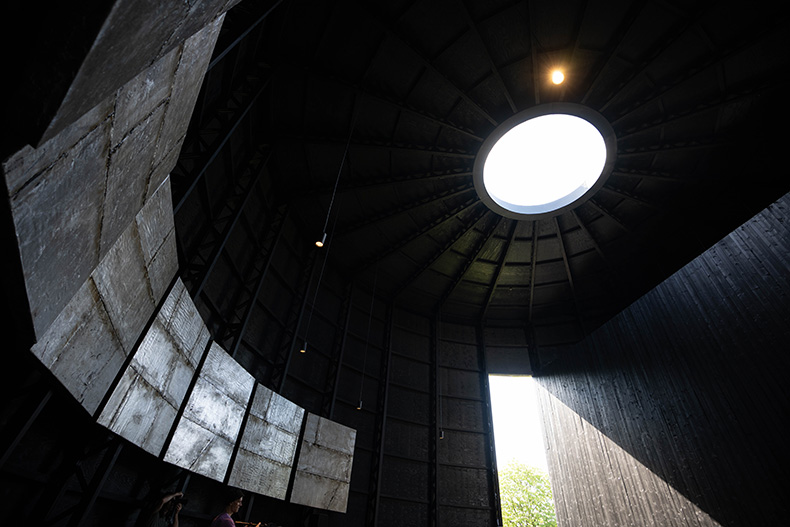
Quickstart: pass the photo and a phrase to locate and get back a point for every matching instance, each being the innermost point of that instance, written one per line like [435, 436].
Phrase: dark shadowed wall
[670, 414]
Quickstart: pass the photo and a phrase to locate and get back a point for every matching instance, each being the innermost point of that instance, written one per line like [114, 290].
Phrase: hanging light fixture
[323, 241]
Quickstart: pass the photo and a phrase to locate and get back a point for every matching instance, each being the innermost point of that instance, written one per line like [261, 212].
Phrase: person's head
[233, 500]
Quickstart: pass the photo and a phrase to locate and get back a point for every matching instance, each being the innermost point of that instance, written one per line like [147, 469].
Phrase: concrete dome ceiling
[403, 94]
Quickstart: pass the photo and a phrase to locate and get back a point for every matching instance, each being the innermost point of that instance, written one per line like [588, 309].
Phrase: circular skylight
[544, 160]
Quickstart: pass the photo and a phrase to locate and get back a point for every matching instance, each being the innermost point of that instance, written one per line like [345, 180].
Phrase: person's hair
[232, 495]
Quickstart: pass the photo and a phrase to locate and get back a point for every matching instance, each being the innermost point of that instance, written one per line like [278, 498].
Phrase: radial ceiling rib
[327, 20]
[470, 260]
[533, 49]
[243, 35]
[759, 85]
[532, 266]
[608, 214]
[399, 105]
[613, 47]
[494, 70]
[565, 261]
[671, 146]
[629, 196]
[670, 39]
[428, 64]
[375, 143]
[345, 230]
[479, 215]
[395, 247]
[500, 265]
[572, 51]
[691, 71]
[655, 175]
[590, 237]
[421, 177]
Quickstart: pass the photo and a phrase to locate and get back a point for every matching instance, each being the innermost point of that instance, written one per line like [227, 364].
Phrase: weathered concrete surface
[183, 324]
[206, 433]
[144, 405]
[321, 493]
[57, 217]
[89, 340]
[81, 348]
[192, 65]
[323, 473]
[135, 34]
[268, 445]
[72, 197]
[129, 165]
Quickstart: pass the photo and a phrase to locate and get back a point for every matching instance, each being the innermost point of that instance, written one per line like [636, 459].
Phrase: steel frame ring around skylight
[526, 202]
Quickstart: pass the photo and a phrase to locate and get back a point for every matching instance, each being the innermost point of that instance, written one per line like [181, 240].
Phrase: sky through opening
[517, 429]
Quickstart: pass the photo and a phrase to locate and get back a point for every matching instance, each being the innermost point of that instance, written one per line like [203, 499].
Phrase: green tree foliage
[525, 494]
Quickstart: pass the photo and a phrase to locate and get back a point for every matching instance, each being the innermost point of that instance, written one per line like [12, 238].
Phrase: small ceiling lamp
[322, 241]
[557, 76]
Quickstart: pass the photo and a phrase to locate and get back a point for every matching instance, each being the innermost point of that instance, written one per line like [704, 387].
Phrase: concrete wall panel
[121, 280]
[205, 435]
[191, 68]
[321, 493]
[323, 473]
[144, 405]
[129, 165]
[90, 339]
[81, 348]
[58, 216]
[138, 412]
[268, 445]
[106, 159]
[135, 34]
[183, 324]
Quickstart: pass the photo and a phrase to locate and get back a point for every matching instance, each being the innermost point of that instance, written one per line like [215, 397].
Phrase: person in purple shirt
[233, 502]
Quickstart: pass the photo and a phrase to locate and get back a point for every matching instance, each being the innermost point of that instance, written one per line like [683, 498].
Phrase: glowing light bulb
[320, 243]
[557, 77]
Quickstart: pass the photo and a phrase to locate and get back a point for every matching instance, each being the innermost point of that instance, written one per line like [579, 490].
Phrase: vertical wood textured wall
[670, 413]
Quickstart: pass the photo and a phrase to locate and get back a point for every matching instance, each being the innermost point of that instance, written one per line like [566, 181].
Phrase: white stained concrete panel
[131, 279]
[183, 323]
[323, 473]
[205, 435]
[144, 405]
[88, 342]
[81, 348]
[268, 445]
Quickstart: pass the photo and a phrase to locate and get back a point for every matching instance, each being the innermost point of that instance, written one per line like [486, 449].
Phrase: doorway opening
[524, 487]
